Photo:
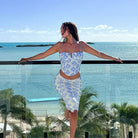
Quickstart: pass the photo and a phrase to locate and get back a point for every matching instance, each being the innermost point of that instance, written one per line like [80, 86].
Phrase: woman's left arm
[94, 52]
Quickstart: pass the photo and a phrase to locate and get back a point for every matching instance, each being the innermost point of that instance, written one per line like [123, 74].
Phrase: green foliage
[5, 96]
[126, 114]
[15, 107]
[92, 116]
[50, 120]
[114, 133]
[37, 132]
[16, 129]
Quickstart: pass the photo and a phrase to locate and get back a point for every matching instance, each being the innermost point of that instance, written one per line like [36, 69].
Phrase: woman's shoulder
[58, 44]
[82, 42]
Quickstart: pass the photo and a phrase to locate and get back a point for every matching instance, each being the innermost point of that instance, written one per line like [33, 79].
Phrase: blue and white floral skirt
[70, 91]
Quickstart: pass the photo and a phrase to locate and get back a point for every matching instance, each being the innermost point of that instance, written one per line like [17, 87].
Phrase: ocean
[113, 83]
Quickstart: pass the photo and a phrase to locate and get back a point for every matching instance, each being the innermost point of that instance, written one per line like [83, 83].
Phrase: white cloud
[98, 27]
[96, 33]
[118, 31]
[107, 37]
[11, 31]
[29, 35]
[27, 30]
[107, 33]
[86, 28]
[103, 27]
[41, 32]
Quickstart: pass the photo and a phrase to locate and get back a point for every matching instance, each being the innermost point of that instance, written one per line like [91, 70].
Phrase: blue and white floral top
[70, 65]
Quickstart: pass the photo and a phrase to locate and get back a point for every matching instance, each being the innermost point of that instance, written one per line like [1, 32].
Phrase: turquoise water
[113, 83]
[124, 50]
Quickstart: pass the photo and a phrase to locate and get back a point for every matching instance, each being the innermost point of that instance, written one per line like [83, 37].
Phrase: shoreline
[43, 45]
[35, 45]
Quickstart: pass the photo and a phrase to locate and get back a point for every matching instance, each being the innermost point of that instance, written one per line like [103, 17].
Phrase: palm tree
[51, 122]
[92, 116]
[132, 115]
[15, 107]
[127, 115]
[37, 132]
[120, 115]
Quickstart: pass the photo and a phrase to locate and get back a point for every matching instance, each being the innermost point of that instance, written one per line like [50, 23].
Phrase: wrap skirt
[69, 90]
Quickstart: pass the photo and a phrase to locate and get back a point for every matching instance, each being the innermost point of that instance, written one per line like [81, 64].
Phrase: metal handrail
[58, 62]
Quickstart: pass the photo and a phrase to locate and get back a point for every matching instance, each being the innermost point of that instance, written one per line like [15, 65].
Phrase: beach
[26, 128]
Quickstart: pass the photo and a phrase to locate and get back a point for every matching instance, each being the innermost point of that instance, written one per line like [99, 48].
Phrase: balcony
[111, 81]
[33, 87]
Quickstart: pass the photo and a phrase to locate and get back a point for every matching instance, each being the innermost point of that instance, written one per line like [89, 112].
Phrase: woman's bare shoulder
[57, 45]
[83, 44]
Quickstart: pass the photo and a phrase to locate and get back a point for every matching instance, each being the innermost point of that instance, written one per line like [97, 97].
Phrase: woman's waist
[75, 76]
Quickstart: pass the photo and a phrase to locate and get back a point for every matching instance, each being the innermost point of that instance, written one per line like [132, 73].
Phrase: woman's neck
[70, 40]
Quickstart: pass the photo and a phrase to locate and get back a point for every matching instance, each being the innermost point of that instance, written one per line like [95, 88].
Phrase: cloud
[93, 33]
[107, 33]
[11, 31]
[42, 32]
[107, 37]
[29, 35]
[27, 30]
[103, 27]
[118, 31]
[86, 28]
[98, 27]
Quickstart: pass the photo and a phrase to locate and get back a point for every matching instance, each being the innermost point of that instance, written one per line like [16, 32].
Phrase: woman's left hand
[119, 60]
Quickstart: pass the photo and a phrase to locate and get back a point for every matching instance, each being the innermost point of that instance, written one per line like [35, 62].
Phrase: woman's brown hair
[72, 29]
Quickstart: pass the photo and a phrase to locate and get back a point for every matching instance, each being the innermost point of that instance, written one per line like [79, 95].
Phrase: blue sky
[96, 20]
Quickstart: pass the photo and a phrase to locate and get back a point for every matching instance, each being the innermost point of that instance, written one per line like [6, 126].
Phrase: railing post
[130, 134]
[1, 135]
[86, 134]
[107, 135]
[45, 135]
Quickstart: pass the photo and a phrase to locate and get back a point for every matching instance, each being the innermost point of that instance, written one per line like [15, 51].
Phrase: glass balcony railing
[114, 83]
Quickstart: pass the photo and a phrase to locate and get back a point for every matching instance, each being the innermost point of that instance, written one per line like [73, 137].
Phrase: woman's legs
[73, 123]
[67, 113]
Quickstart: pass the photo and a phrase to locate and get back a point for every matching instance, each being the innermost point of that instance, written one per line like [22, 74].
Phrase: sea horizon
[59, 40]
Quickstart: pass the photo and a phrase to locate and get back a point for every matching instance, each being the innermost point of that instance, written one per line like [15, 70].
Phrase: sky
[96, 20]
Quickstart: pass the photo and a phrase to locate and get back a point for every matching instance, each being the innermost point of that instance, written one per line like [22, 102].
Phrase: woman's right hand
[119, 60]
[23, 60]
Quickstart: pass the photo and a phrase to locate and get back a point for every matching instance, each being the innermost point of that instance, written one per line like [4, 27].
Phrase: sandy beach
[26, 128]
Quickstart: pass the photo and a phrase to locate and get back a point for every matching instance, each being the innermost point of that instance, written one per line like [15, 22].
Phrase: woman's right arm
[55, 48]
[94, 52]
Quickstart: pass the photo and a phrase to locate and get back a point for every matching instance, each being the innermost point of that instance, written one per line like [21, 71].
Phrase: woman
[68, 81]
